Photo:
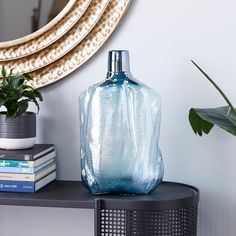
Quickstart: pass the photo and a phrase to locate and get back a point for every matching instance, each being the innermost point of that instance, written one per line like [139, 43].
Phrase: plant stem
[217, 87]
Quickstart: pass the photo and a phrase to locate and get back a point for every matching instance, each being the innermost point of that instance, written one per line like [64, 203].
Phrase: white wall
[162, 37]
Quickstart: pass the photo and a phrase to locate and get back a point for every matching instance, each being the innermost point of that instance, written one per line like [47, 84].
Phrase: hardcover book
[31, 154]
[29, 177]
[27, 164]
[26, 186]
[28, 170]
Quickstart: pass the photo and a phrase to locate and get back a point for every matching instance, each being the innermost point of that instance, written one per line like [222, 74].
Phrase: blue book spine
[17, 186]
[12, 163]
[28, 170]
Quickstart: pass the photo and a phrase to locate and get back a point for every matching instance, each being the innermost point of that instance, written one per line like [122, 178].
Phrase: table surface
[72, 194]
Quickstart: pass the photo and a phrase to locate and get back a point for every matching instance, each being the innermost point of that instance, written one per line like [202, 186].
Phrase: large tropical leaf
[198, 124]
[202, 120]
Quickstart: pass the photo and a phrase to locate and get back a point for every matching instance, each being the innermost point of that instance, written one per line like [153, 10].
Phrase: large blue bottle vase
[119, 129]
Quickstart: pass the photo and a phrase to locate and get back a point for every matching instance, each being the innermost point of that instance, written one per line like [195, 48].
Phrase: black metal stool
[171, 210]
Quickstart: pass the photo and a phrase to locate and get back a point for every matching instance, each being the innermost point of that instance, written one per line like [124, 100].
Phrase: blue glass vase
[119, 127]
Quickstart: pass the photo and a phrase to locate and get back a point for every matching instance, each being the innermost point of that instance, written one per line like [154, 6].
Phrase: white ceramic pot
[18, 132]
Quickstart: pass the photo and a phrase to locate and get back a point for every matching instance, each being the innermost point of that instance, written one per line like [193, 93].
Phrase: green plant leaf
[4, 84]
[11, 71]
[27, 87]
[11, 106]
[10, 114]
[28, 76]
[36, 104]
[4, 73]
[17, 81]
[223, 117]
[22, 107]
[198, 124]
[13, 94]
[38, 95]
[31, 96]
[2, 101]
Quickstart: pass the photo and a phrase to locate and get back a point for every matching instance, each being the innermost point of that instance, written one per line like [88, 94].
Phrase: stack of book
[27, 170]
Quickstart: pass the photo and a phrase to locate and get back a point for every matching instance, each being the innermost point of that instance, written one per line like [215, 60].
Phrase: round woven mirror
[64, 34]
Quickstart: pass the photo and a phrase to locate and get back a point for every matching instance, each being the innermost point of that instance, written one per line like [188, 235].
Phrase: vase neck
[119, 76]
[118, 64]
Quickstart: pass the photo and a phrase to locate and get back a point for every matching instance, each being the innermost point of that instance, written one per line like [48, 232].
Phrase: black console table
[171, 210]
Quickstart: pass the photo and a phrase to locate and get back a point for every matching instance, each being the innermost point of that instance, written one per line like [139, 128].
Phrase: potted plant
[203, 120]
[17, 125]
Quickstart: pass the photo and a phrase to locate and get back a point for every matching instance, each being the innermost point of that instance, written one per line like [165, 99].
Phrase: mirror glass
[19, 18]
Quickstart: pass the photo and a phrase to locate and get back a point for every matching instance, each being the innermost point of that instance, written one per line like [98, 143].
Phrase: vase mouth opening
[119, 51]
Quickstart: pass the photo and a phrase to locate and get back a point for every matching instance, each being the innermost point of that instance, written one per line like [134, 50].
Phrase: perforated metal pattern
[173, 222]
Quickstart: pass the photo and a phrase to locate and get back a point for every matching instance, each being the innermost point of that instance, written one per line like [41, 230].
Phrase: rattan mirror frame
[66, 43]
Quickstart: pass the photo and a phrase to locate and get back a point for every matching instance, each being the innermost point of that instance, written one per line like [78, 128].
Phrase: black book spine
[14, 156]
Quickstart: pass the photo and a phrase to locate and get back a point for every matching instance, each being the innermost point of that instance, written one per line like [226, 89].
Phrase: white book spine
[46, 180]
[43, 159]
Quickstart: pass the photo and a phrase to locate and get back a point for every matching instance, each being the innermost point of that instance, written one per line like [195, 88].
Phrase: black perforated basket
[169, 211]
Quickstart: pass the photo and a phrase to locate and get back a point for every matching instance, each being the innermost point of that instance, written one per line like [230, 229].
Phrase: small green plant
[15, 94]
[203, 120]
